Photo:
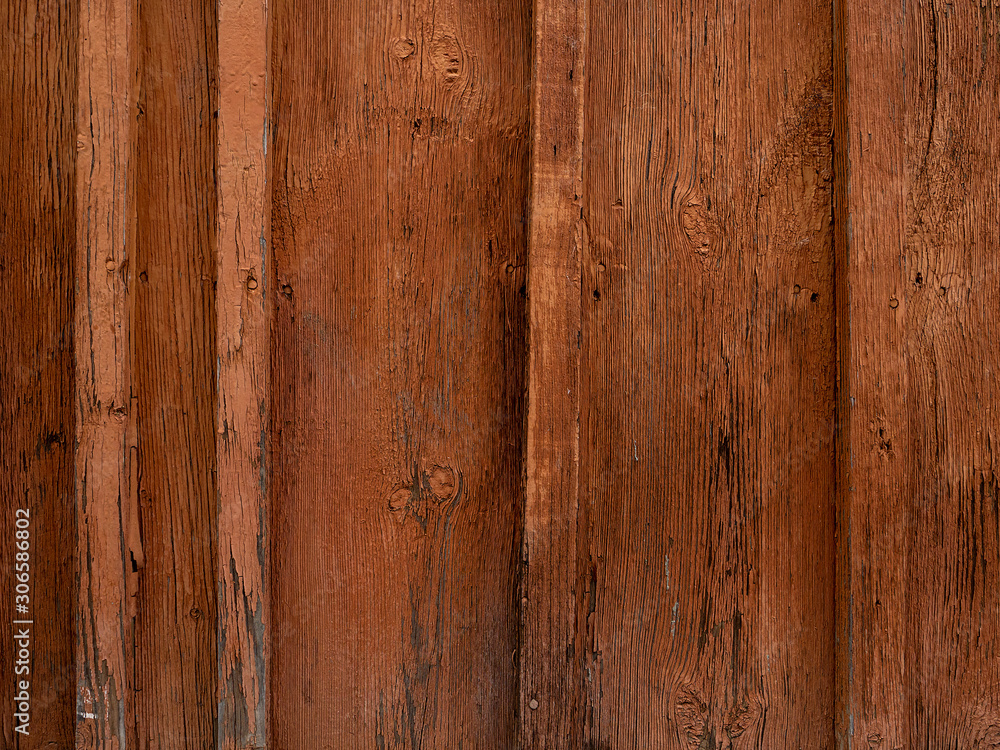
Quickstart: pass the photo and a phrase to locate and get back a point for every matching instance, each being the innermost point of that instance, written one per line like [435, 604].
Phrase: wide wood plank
[707, 373]
[399, 228]
[244, 294]
[37, 415]
[920, 533]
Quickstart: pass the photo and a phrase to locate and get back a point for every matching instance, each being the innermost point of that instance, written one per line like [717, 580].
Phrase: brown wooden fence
[500, 374]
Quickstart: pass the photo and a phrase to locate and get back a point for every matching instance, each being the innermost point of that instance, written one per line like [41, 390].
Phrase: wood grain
[108, 540]
[38, 48]
[920, 520]
[399, 228]
[551, 649]
[244, 294]
[707, 375]
[175, 375]
[502, 373]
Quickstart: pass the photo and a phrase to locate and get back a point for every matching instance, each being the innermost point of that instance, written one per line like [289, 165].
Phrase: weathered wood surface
[244, 296]
[399, 226]
[704, 514]
[174, 374]
[108, 540]
[414, 375]
[551, 651]
[37, 414]
[145, 376]
[921, 528]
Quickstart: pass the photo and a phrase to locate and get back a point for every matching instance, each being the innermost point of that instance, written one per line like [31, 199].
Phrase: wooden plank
[707, 378]
[174, 375]
[37, 416]
[551, 649]
[399, 228]
[921, 521]
[841, 182]
[108, 546]
[244, 290]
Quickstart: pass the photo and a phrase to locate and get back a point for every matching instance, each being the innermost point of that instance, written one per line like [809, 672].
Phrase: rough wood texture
[449, 465]
[109, 547]
[921, 518]
[243, 305]
[175, 376]
[37, 416]
[399, 227]
[707, 381]
[551, 650]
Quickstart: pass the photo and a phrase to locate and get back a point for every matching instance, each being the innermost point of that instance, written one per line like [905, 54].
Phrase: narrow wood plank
[174, 373]
[399, 227]
[707, 378]
[551, 649]
[108, 544]
[922, 526]
[244, 291]
[37, 416]
[841, 232]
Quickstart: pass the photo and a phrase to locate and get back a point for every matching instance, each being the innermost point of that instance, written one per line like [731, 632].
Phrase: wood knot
[442, 482]
[400, 499]
[403, 48]
[884, 442]
[86, 730]
[427, 498]
[989, 739]
[691, 715]
[699, 225]
[448, 58]
[739, 719]
[954, 289]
